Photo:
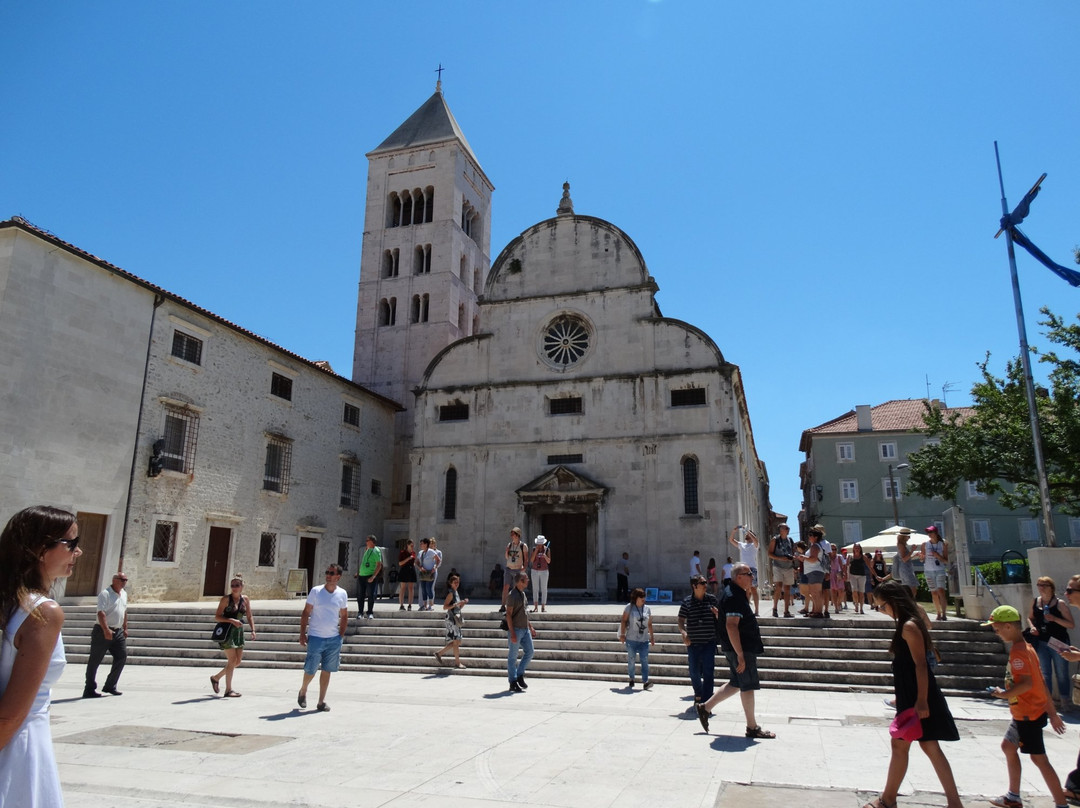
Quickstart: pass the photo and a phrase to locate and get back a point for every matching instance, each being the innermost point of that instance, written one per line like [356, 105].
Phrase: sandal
[214, 684]
[758, 732]
[879, 803]
[232, 694]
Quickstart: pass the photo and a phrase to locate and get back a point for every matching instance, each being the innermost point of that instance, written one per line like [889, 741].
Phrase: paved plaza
[409, 739]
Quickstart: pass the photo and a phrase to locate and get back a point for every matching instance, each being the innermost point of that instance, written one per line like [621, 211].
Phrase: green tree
[991, 445]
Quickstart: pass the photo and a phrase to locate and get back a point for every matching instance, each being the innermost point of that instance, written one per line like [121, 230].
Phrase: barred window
[352, 415]
[688, 398]
[187, 347]
[178, 439]
[343, 550]
[350, 485]
[565, 406]
[454, 412]
[565, 459]
[690, 486]
[281, 386]
[450, 495]
[376, 487]
[268, 550]
[278, 464]
[165, 541]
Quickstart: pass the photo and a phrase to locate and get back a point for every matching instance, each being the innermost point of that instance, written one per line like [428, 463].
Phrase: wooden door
[217, 561]
[84, 580]
[568, 535]
[308, 544]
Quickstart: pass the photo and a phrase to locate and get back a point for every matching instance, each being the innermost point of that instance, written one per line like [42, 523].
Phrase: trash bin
[1014, 568]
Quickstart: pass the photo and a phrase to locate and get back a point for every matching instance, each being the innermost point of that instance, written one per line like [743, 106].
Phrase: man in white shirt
[748, 553]
[322, 627]
[826, 566]
[108, 635]
[695, 563]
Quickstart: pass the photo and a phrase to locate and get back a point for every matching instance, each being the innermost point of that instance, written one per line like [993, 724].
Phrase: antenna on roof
[945, 388]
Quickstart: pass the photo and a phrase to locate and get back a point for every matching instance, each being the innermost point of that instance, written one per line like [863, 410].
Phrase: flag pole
[1025, 360]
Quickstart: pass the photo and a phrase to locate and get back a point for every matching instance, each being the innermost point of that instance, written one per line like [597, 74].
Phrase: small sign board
[652, 594]
[665, 596]
[297, 583]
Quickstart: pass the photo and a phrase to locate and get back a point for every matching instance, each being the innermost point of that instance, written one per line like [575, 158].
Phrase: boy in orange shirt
[1030, 707]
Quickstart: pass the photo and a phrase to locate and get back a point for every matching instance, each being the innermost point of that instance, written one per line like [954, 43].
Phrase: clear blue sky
[812, 183]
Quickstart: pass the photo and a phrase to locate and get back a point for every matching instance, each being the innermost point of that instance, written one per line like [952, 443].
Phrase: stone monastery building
[544, 390]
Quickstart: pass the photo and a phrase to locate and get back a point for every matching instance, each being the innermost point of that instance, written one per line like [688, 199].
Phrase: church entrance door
[569, 543]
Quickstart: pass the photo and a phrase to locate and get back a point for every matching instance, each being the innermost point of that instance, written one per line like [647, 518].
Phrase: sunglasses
[332, 572]
[697, 585]
[1069, 590]
[235, 586]
[71, 544]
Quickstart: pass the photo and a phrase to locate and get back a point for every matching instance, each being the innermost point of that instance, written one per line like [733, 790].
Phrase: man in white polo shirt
[322, 627]
[108, 635]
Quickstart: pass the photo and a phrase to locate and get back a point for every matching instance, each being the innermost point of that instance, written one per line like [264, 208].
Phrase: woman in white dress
[37, 546]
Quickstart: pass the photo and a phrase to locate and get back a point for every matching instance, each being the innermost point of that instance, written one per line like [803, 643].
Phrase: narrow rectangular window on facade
[852, 531]
[187, 347]
[1074, 530]
[454, 412]
[343, 548]
[268, 550]
[450, 495]
[690, 486]
[565, 459]
[351, 415]
[565, 406]
[849, 490]
[845, 452]
[350, 485]
[165, 541]
[1029, 531]
[278, 465]
[980, 530]
[891, 489]
[281, 386]
[888, 451]
[376, 487]
[688, 398]
[179, 439]
[973, 491]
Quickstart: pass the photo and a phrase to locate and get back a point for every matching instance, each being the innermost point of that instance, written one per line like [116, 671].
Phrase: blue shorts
[324, 652]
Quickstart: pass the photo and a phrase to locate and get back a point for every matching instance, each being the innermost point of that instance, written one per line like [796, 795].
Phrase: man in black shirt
[740, 640]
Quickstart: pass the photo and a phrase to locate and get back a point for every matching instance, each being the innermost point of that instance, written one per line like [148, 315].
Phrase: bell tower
[424, 261]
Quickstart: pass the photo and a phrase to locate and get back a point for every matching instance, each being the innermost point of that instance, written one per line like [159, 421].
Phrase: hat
[516, 530]
[931, 529]
[540, 540]
[904, 531]
[820, 528]
[1003, 614]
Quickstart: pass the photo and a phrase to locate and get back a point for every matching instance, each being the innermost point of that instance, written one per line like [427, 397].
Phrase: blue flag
[1066, 274]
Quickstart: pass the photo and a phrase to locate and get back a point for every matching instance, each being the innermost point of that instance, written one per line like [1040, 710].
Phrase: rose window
[565, 341]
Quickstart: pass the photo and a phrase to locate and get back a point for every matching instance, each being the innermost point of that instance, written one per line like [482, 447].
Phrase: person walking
[697, 625]
[406, 576]
[636, 630]
[516, 557]
[367, 577]
[622, 578]
[520, 634]
[1050, 619]
[782, 554]
[915, 688]
[452, 607]
[740, 639]
[1030, 706]
[38, 546]
[234, 608]
[109, 635]
[322, 627]
[539, 566]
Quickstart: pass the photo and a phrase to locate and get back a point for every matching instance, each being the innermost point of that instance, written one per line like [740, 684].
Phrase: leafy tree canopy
[992, 445]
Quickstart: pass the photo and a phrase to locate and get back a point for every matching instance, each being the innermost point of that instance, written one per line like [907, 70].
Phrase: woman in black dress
[914, 685]
[406, 576]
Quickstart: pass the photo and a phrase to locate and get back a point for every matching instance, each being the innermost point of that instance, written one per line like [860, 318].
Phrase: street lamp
[892, 490]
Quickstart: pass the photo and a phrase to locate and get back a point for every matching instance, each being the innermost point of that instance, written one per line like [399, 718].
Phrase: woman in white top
[635, 629]
[39, 545]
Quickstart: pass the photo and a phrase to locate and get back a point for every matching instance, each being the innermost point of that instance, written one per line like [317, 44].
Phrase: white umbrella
[886, 540]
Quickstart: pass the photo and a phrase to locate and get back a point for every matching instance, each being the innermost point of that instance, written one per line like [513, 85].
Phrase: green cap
[1003, 614]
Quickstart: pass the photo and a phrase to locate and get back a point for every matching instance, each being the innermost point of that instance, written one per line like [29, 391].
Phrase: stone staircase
[843, 654]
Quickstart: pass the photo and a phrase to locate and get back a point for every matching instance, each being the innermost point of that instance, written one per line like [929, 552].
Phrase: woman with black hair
[914, 685]
[38, 546]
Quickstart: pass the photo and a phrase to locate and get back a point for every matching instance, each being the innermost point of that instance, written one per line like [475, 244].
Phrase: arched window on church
[384, 312]
[418, 260]
[429, 204]
[463, 271]
[393, 211]
[461, 317]
[393, 311]
[450, 494]
[690, 485]
[424, 300]
[391, 263]
[418, 206]
[406, 208]
[414, 314]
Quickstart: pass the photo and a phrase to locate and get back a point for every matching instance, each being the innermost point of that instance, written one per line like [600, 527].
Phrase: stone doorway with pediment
[567, 507]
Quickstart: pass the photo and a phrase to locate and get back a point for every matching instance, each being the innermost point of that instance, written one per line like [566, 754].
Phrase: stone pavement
[417, 740]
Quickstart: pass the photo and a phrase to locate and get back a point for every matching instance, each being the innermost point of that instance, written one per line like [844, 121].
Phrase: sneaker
[647, 686]
[515, 688]
[402, 608]
[112, 691]
[322, 707]
[91, 694]
[631, 684]
[1004, 802]
[703, 716]
[301, 699]
[521, 683]
[410, 608]
[502, 610]
[774, 614]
